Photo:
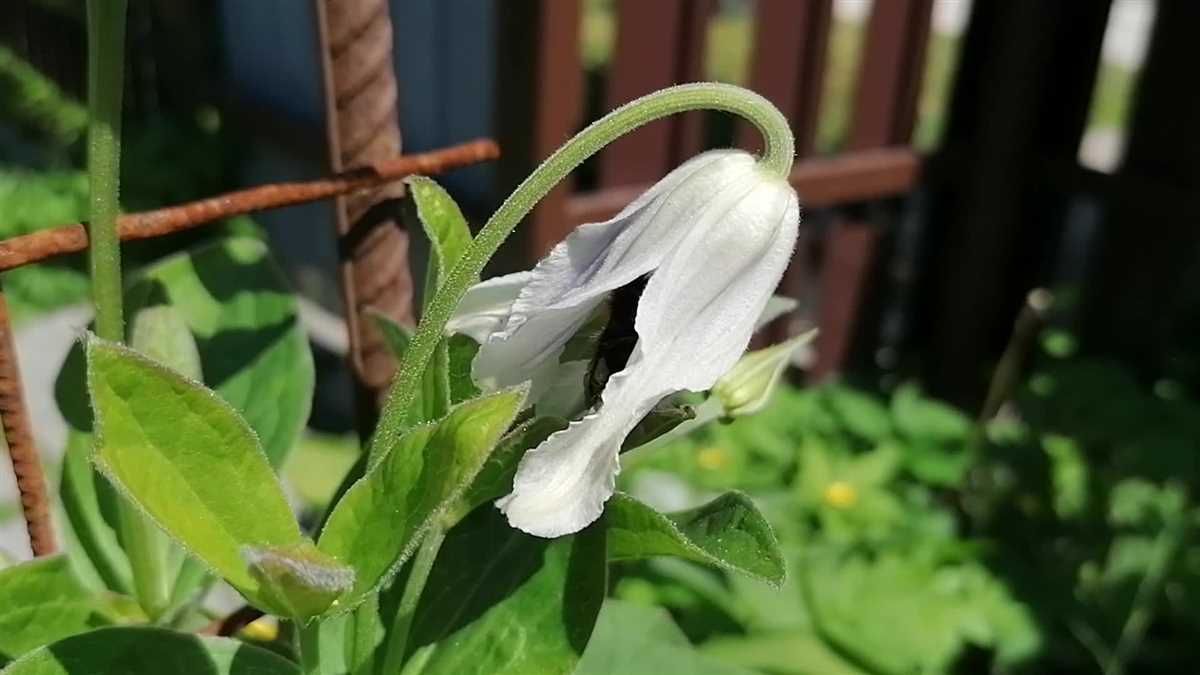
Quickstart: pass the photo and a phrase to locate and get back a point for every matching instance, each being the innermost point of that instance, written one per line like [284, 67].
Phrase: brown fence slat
[688, 132]
[647, 57]
[822, 183]
[889, 81]
[790, 39]
[539, 107]
[845, 276]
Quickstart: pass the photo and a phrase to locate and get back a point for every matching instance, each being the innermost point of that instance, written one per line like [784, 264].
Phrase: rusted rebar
[39, 246]
[26, 463]
[362, 126]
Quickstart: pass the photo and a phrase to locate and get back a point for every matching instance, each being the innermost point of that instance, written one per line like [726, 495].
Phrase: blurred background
[989, 462]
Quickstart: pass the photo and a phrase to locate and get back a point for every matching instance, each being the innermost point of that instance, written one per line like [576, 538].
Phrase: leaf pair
[196, 468]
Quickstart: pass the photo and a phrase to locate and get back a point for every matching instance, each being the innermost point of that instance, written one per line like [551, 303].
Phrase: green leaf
[461, 350]
[433, 399]
[380, 519]
[87, 498]
[502, 602]
[187, 459]
[784, 653]
[161, 334]
[728, 532]
[861, 414]
[150, 651]
[664, 418]
[42, 601]
[633, 639]
[923, 418]
[495, 479]
[246, 323]
[445, 226]
[298, 577]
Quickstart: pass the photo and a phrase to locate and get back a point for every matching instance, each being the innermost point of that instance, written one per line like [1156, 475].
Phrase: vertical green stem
[142, 541]
[776, 160]
[308, 641]
[397, 646]
[106, 70]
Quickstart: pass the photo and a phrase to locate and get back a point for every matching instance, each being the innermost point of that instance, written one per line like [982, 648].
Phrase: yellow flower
[840, 495]
[713, 458]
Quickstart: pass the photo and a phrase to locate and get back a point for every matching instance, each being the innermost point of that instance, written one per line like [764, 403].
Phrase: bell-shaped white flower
[715, 236]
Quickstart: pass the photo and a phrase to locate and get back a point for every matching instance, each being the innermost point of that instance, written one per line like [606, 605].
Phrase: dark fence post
[539, 107]
[1019, 108]
[1148, 241]
[885, 106]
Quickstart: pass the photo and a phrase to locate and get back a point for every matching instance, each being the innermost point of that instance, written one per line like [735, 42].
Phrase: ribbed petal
[694, 321]
[486, 306]
[598, 258]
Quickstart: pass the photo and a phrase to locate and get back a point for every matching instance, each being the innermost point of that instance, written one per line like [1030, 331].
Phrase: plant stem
[142, 541]
[308, 642]
[106, 70]
[402, 625]
[777, 159]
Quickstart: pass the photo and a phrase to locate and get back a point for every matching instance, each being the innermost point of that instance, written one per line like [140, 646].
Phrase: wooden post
[1020, 103]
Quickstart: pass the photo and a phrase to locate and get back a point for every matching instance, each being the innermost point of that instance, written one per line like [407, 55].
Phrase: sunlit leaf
[379, 520]
[728, 532]
[42, 601]
[150, 651]
[444, 224]
[501, 602]
[187, 459]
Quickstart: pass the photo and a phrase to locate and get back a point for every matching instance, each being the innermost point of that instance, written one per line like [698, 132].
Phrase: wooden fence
[662, 43]
[991, 202]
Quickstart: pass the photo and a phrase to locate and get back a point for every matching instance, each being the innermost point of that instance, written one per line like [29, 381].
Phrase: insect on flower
[714, 236]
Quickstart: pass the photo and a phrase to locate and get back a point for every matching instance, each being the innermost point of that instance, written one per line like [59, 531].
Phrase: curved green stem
[777, 159]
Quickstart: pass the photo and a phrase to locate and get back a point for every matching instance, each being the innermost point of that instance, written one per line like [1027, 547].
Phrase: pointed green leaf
[298, 577]
[445, 226]
[495, 479]
[461, 351]
[149, 651]
[502, 602]
[161, 333]
[246, 324]
[42, 601]
[187, 459]
[433, 399]
[88, 499]
[728, 532]
[375, 526]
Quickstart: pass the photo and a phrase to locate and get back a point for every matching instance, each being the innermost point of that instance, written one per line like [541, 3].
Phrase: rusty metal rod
[30, 248]
[26, 462]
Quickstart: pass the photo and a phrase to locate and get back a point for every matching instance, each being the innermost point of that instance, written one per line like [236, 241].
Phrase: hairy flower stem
[777, 160]
[413, 587]
[106, 70]
[143, 543]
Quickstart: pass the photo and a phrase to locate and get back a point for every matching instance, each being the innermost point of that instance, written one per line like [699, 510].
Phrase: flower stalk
[106, 71]
[777, 159]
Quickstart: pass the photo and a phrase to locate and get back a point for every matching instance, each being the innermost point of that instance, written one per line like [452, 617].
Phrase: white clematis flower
[715, 236]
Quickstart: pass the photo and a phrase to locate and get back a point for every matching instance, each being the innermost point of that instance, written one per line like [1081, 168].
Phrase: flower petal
[694, 320]
[598, 258]
[485, 307]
